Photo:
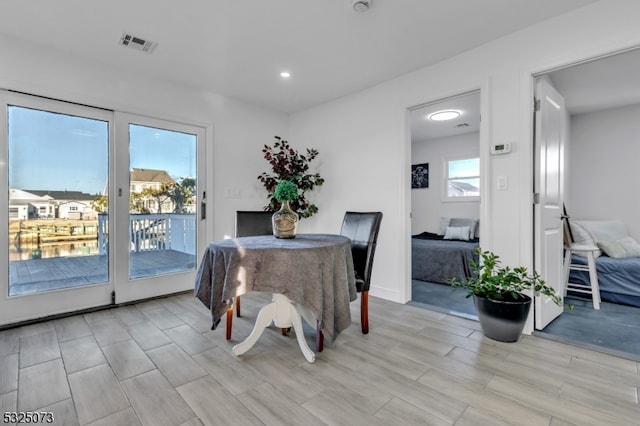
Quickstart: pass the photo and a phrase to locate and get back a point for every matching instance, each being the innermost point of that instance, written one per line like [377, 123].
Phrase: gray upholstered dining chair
[248, 223]
[362, 228]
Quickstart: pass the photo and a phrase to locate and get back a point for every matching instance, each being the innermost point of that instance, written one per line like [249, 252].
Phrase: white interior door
[550, 135]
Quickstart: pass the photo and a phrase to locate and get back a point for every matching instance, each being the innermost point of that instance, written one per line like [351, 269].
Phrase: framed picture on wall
[420, 175]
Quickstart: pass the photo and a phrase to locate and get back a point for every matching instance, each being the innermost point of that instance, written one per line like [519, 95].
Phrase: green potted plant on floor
[501, 305]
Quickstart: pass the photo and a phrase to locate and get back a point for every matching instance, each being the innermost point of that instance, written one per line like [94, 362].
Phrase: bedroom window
[462, 179]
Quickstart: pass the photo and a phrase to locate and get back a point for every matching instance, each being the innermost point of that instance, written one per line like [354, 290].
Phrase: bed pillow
[582, 236]
[444, 222]
[604, 230]
[457, 233]
[624, 247]
[471, 223]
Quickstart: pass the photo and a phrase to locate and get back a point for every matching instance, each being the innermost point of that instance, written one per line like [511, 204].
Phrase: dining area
[158, 362]
[311, 277]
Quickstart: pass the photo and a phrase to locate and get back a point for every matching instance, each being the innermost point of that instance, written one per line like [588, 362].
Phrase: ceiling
[238, 48]
[422, 128]
[608, 82]
[597, 84]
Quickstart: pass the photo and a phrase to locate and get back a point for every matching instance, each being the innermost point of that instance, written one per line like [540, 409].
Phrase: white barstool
[592, 288]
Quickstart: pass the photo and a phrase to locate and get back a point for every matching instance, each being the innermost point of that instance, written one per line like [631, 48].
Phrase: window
[462, 179]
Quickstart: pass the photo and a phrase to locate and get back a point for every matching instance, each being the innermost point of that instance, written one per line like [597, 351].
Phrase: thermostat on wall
[503, 148]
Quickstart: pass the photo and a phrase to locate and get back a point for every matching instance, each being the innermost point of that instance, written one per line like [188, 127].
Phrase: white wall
[364, 138]
[427, 205]
[604, 154]
[236, 131]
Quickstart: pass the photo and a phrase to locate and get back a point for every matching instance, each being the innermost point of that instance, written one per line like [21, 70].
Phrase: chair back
[362, 228]
[250, 223]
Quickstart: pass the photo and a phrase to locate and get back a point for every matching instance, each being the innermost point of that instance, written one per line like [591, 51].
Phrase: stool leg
[593, 280]
[567, 265]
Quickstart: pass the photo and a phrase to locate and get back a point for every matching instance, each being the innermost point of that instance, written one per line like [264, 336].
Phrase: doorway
[602, 97]
[445, 195]
[102, 207]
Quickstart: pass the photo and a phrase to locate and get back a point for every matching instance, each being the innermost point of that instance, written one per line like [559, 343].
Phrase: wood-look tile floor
[158, 363]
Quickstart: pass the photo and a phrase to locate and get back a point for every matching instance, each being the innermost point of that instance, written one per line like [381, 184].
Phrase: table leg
[297, 327]
[314, 323]
[264, 318]
[282, 313]
[306, 314]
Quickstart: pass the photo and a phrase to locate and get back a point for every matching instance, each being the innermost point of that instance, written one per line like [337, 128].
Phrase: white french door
[159, 194]
[99, 207]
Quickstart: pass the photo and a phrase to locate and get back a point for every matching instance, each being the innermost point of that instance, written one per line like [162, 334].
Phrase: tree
[160, 195]
[100, 204]
[182, 194]
[136, 203]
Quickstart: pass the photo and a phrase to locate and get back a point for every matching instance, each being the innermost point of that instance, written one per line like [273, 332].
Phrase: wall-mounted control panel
[502, 148]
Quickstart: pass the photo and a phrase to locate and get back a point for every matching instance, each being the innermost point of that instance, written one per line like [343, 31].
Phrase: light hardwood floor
[158, 363]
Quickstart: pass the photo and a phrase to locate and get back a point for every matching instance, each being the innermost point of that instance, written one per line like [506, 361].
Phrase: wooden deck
[37, 275]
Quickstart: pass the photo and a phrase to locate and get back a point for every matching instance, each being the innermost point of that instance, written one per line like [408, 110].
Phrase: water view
[51, 250]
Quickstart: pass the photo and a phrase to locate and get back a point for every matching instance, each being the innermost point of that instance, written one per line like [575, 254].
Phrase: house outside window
[462, 179]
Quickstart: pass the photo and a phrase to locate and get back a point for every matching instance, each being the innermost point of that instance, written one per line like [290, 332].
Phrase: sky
[51, 151]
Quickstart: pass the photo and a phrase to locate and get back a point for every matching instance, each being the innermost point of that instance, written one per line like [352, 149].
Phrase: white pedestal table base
[283, 313]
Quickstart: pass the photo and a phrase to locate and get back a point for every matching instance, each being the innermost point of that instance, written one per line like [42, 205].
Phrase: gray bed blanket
[313, 270]
[438, 260]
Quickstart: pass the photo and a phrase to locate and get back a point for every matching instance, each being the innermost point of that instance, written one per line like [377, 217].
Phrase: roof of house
[72, 203]
[62, 195]
[151, 175]
[464, 186]
[19, 194]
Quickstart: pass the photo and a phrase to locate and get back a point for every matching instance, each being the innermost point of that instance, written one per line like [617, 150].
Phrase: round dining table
[310, 276]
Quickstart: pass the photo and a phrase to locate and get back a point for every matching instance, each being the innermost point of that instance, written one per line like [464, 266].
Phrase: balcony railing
[154, 232]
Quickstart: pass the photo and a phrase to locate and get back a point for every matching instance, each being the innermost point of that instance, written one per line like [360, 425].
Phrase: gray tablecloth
[313, 270]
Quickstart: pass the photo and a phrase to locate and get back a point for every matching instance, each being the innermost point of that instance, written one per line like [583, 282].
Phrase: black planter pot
[503, 320]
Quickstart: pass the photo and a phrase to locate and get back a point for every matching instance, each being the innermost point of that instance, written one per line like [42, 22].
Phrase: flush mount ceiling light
[361, 5]
[444, 115]
[285, 74]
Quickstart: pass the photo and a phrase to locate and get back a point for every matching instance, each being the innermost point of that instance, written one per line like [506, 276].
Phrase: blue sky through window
[52, 151]
[464, 168]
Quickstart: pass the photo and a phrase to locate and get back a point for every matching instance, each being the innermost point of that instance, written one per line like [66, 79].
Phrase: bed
[617, 264]
[439, 257]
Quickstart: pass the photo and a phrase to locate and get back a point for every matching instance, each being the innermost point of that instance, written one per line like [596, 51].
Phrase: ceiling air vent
[137, 43]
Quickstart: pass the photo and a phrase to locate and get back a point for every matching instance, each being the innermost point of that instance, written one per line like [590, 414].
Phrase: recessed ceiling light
[449, 114]
[285, 74]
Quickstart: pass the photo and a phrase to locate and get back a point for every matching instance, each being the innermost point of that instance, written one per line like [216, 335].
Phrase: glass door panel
[162, 215]
[58, 168]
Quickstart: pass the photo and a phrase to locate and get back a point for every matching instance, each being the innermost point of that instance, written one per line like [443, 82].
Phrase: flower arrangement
[287, 164]
[285, 191]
